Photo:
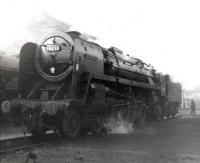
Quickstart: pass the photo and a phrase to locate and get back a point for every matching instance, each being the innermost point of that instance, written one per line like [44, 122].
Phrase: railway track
[26, 142]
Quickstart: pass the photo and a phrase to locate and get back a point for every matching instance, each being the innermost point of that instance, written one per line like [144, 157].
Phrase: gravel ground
[165, 141]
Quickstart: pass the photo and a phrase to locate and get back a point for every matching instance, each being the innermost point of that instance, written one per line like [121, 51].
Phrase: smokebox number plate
[52, 48]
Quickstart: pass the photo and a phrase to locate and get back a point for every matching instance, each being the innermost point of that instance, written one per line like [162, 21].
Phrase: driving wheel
[71, 124]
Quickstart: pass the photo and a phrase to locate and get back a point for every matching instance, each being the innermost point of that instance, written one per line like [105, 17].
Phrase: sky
[165, 33]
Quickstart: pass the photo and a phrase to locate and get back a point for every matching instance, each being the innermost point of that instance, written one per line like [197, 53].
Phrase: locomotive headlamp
[77, 66]
[6, 106]
[52, 70]
[92, 86]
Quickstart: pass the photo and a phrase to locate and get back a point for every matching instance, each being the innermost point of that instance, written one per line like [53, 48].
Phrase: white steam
[43, 24]
[32, 32]
[117, 124]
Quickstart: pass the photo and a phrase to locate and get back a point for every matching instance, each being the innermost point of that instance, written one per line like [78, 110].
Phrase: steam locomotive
[67, 83]
[8, 81]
